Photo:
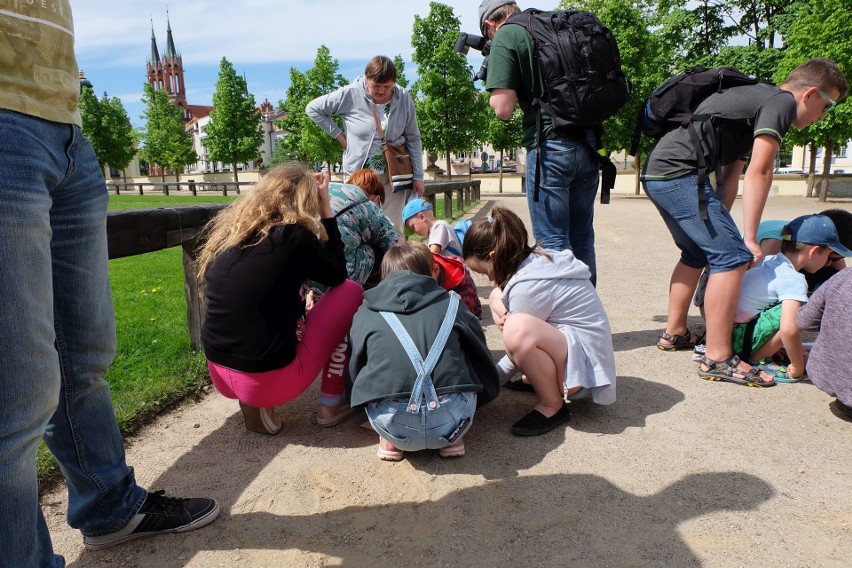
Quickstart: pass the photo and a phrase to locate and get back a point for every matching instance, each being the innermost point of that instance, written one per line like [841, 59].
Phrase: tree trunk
[124, 175]
[637, 165]
[811, 168]
[449, 171]
[177, 177]
[500, 184]
[828, 150]
[234, 169]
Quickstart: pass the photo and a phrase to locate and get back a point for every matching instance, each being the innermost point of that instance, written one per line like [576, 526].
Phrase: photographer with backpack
[563, 111]
[727, 126]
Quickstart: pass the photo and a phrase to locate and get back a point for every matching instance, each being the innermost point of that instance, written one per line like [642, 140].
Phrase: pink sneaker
[388, 452]
[452, 451]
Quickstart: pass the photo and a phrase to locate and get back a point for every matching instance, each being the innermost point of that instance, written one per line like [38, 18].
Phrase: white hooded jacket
[559, 292]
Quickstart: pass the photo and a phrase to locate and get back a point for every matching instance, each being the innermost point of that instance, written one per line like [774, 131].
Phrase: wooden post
[139, 185]
[225, 189]
[192, 187]
[448, 204]
[196, 300]
[459, 200]
[166, 190]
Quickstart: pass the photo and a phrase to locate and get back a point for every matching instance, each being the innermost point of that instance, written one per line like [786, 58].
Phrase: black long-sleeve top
[255, 296]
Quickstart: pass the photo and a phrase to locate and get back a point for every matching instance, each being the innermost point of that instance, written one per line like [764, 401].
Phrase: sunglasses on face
[831, 102]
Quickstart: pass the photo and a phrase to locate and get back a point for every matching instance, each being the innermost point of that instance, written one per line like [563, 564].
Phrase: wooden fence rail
[138, 231]
[187, 185]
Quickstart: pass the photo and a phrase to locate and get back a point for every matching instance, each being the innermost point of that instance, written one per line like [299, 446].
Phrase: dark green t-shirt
[754, 110]
[511, 65]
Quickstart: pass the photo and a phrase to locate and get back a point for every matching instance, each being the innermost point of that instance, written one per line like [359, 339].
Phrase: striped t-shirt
[40, 76]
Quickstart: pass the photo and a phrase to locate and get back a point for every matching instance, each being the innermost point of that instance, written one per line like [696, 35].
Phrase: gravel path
[679, 472]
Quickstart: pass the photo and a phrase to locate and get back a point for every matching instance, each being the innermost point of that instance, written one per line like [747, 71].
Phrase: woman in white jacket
[555, 329]
[376, 90]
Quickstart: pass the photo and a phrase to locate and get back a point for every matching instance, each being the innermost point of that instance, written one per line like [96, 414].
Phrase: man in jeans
[562, 217]
[57, 335]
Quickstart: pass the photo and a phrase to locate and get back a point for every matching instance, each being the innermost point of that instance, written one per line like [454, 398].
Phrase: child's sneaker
[699, 351]
[455, 450]
[388, 452]
[159, 515]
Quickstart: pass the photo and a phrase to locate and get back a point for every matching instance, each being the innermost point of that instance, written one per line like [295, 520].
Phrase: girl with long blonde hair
[262, 347]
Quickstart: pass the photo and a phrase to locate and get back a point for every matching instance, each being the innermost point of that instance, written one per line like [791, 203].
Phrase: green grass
[154, 365]
[128, 201]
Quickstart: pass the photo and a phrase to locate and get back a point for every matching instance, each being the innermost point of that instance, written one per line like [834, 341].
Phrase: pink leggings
[326, 326]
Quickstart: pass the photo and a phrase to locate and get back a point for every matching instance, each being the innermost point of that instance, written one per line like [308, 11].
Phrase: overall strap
[424, 367]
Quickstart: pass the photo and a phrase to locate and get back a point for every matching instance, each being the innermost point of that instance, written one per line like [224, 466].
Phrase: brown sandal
[728, 370]
[678, 342]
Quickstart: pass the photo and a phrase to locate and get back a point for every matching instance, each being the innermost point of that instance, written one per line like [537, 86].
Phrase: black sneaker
[535, 423]
[159, 515]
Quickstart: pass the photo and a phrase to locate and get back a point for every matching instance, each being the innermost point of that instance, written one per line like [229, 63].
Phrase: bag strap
[378, 124]
[348, 207]
[425, 367]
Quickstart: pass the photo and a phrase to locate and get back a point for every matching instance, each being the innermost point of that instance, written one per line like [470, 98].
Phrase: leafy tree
[821, 29]
[124, 138]
[751, 60]
[695, 31]
[401, 79]
[233, 134]
[106, 125]
[757, 20]
[645, 60]
[305, 141]
[166, 142]
[447, 105]
[92, 114]
[502, 135]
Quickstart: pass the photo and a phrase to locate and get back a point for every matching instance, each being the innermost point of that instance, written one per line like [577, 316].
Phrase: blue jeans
[426, 429]
[563, 216]
[57, 339]
[715, 241]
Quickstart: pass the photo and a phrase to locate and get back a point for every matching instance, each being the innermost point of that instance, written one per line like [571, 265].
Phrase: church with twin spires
[166, 72]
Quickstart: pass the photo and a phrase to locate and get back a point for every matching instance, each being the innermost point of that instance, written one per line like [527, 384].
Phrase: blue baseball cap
[412, 208]
[814, 230]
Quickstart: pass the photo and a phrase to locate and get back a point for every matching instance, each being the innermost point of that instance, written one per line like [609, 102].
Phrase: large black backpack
[672, 105]
[580, 67]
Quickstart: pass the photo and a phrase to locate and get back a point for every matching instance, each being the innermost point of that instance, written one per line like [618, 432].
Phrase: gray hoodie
[560, 293]
[352, 103]
[380, 368]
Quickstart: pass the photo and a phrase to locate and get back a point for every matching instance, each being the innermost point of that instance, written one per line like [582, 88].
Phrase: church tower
[167, 72]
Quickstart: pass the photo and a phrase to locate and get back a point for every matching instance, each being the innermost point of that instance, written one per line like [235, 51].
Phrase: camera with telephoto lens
[479, 43]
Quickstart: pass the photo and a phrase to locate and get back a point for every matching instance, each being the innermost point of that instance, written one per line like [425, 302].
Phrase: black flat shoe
[535, 423]
[519, 386]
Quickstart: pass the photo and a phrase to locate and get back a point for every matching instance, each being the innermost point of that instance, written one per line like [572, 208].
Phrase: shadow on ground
[548, 520]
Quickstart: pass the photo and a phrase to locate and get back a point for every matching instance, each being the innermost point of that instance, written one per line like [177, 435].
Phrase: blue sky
[262, 38]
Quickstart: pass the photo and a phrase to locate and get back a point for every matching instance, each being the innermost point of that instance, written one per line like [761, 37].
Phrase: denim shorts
[427, 429]
[714, 242]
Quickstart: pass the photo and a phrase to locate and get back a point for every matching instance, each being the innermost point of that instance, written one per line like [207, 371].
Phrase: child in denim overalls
[419, 362]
